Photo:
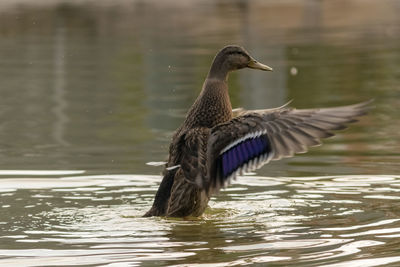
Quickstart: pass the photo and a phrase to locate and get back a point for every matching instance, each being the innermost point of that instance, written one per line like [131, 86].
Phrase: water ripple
[96, 219]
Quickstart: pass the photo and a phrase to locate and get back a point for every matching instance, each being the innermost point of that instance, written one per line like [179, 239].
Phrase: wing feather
[253, 138]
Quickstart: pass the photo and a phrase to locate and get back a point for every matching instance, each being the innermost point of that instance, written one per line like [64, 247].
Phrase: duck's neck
[211, 107]
[219, 69]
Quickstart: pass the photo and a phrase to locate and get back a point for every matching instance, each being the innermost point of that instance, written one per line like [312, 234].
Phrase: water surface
[93, 90]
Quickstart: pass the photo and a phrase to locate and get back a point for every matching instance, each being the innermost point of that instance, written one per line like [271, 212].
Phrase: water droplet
[293, 71]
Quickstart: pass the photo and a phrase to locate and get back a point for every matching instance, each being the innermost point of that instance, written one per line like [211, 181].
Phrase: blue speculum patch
[242, 153]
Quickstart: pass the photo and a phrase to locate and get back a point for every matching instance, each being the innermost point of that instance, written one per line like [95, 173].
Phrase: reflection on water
[97, 220]
[92, 90]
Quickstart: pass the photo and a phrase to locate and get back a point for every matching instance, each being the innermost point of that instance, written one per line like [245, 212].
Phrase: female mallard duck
[212, 146]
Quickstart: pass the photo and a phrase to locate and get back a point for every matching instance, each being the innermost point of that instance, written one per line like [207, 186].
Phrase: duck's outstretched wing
[236, 112]
[253, 138]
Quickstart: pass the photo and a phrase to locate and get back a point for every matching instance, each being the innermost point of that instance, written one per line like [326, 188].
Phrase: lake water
[91, 91]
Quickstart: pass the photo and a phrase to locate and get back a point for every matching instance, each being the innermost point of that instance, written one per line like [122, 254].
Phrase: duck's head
[232, 58]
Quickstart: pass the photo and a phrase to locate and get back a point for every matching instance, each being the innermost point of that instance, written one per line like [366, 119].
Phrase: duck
[215, 144]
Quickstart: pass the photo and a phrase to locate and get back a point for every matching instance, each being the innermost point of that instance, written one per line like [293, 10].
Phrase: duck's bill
[257, 65]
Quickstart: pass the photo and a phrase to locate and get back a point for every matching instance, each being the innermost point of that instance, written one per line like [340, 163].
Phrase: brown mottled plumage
[211, 147]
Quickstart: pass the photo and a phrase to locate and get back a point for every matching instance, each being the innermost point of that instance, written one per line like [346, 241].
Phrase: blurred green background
[101, 85]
